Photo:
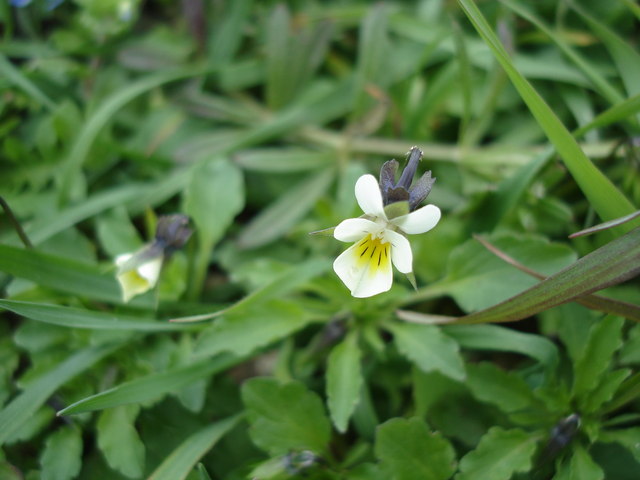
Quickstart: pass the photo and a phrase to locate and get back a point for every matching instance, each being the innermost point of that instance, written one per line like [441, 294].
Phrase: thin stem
[15, 223]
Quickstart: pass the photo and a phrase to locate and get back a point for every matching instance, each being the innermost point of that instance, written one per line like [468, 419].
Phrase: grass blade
[65, 275]
[107, 110]
[80, 318]
[24, 405]
[605, 198]
[152, 386]
[181, 461]
[15, 76]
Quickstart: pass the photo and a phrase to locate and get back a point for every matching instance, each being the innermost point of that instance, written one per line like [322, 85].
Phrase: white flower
[143, 277]
[365, 267]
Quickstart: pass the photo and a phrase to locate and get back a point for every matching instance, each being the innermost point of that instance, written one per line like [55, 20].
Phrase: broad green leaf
[629, 438]
[429, 348]
[79, 318]
[244, 331]
[580, 467]
[497, 338]
[18, 411]
[65, 275]
[181, 461]
[214, 197]
[409, 451]
[506, 390]
[477, 279]
[604, 392]
[278, 217]
[285, 417]
[117, 234]
[62, 455]
[605, 198]
[605, 338]
[344, 381]
[108, 108]
[499, 455]
[152, 386]
[119, 441]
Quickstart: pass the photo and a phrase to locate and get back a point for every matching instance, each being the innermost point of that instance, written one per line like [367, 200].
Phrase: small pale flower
[379, 235]
[140, 279]
[139, 272]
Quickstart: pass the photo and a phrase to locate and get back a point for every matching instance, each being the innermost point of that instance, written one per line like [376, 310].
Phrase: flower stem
[15, 223]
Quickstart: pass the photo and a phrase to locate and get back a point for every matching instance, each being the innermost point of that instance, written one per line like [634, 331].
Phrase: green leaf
[62, 455]
[22, 407]
[604, 392]
[410, 451]
[629, 438]
[245, 331]
[429, 348]
[152, 386]
[580, 467]
[214, 196]
[373, 56]
[497, 338]
[284, 160]
[605, 338]
[500, 454]
[180, 462]
[285, 417]
[46, 226]
[599, 81]
[344, 381]
[605, 198]
[294, 277]
[617, 113]
[119, 441]
[108, 108]
[64, 275]
[626, 58]
[79, 318]
[15, 76]
[477, 279]
[278, 217]
[613, 263]
[491, 384]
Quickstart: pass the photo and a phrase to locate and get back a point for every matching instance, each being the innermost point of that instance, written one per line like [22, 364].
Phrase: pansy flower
[139, 272]
[390, 212]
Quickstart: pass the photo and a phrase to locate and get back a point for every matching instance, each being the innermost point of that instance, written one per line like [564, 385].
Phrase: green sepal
[396, 209]
[326, 232]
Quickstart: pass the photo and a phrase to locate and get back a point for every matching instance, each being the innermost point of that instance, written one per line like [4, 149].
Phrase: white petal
[353, 229]
[420, 221]
[150, 271]
[137, 281]
[362, 277]
[401, 254]
[369, 196]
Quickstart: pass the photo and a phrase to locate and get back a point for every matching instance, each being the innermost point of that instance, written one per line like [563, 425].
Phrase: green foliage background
[256, 119]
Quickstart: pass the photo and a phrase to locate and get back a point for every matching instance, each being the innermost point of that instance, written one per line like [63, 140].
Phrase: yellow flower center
[373, 252]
